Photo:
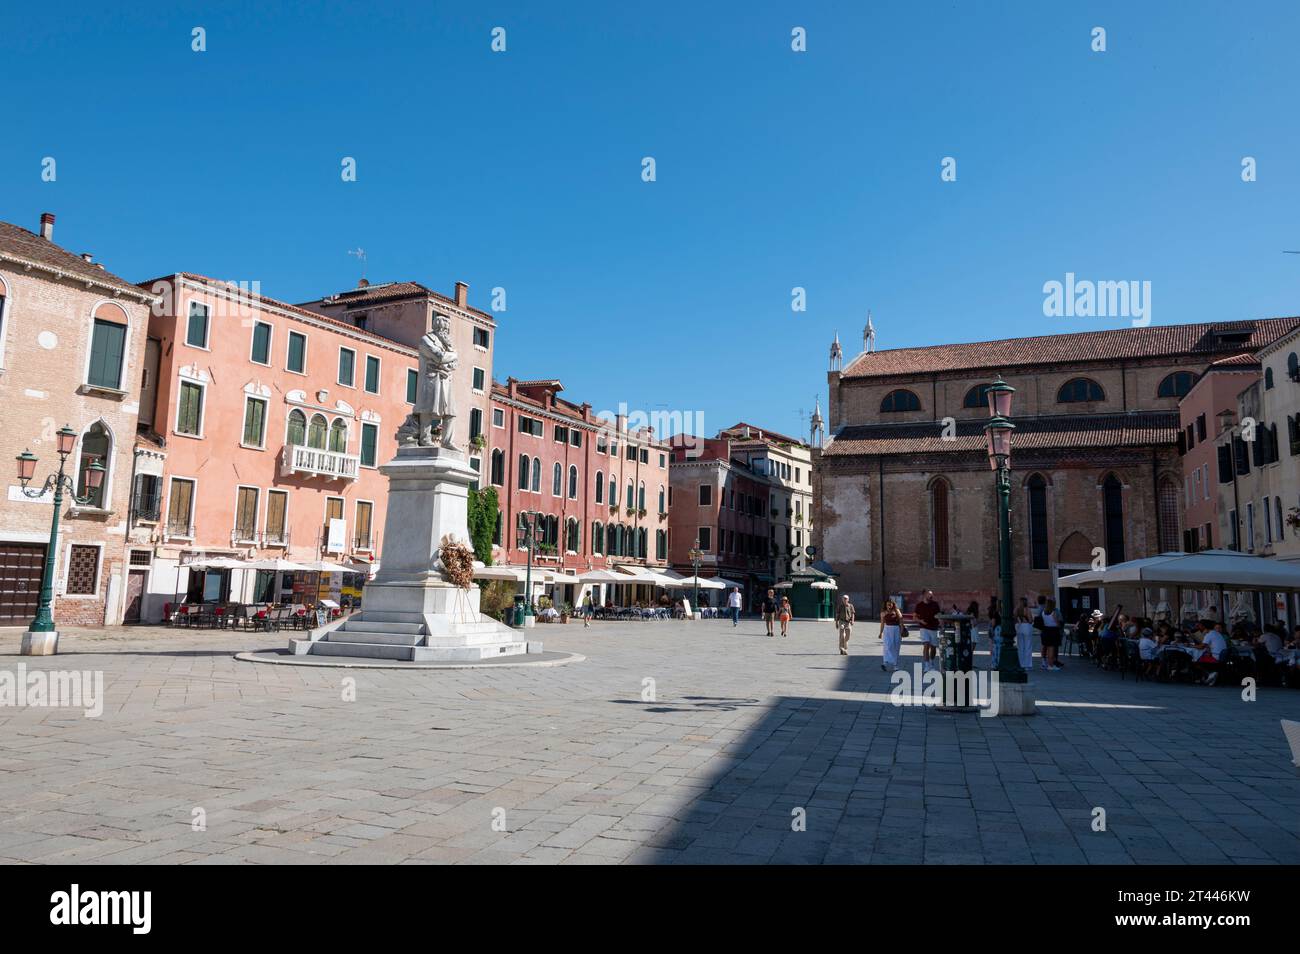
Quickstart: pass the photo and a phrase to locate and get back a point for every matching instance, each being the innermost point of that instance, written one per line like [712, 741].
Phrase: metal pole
[1009, 661]
[44, 620]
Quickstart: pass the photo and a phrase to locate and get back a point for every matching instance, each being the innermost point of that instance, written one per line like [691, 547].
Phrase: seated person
[1149, 652]
[1271, 641]
[1213, 645]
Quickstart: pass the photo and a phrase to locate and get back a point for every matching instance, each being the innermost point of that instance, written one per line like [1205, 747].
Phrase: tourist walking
[769, 611]
[588, 610]
[891, 631]
[1049, 624]
[1025, 634]
[995, 632]
[785, 614]
[927, 615]
[733, 604]
[844, 617]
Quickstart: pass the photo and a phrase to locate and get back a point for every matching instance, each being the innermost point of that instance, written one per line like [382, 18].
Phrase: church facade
[905, 495]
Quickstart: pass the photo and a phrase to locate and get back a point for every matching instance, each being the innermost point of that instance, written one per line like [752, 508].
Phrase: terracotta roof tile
[27, 246]
[1110, 345]
[1069, 431]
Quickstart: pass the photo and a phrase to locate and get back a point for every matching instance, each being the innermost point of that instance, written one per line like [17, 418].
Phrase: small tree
[482, 518]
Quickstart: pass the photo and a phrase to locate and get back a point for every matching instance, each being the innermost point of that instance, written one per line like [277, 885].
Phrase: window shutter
[107, 347]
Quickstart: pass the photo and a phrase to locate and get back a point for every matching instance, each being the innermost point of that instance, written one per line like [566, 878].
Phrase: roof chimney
[363, 283]
[462, 294]
[47, 226]
[87, 258]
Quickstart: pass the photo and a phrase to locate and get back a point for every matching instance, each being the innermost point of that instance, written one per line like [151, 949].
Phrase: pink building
[262, 426]
[1204, 412]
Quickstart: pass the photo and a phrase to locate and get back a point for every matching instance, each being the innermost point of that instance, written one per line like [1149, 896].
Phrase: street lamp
[42, 639]
[997, 433]
[527, 540]
[695, 553]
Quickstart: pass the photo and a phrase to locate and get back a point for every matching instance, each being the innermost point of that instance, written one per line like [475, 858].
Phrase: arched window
[96, 445]
[316, 432]
[523, 471]
[296, 434]
[1038, 553]
[597, 537]
[661, 545]
[1077, 390]
[663, 506]
[1268, 379]
[498, 472]
[557, 480]
[640, 496]
[900, 400]
[977, 397]
[600, 487]
[571, 535]
[1293, 366]
[939, 496]
[1176, 385]
[573, 482]
[630, 499]
[1112, 492]
[642, 542]
[339, 436]
[613, 491]
[537, 475]
[1167, 500]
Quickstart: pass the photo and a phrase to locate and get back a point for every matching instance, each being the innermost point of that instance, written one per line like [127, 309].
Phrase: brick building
[905, 496]
[72, 343]
[601, 488]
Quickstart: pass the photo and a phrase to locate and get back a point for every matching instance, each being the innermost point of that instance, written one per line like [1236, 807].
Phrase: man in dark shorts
[769, 611]
[927, 615]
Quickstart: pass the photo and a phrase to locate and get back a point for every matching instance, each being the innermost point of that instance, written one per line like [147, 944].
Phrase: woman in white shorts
[891, 631]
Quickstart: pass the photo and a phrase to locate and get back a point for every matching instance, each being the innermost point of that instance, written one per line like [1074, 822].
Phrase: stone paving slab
[669, 743]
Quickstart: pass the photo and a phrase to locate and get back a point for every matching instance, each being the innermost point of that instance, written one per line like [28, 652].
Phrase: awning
[703, 582]
[279, 566]
[823, 585]
[602, 576]
[1210, 569]
[509, 571]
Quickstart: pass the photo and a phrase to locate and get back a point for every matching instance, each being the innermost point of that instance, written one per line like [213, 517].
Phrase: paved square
[569, 765]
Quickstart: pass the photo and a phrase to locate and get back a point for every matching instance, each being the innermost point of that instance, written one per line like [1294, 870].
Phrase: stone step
[388, 616]
[367, 625]
[380, 639]
[367, 650]
[467, 653]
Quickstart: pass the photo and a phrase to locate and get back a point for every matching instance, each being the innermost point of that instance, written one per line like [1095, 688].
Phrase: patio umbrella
[704, 582]
[1225, 569]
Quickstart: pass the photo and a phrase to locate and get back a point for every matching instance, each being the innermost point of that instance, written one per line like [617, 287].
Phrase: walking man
[927, 614]
[844, 617]
[769, 611]
[733, 604]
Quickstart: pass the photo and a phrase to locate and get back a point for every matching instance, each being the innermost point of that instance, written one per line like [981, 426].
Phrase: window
[412, 385]
[1038, 488]
[1250, 527]
[557, 480]
[107, 350]
[1176, 385]
[246, 514]
[196, 328]
[705, 536]
[661, 545]
[640, 496]
[573, 482]
[661, 462]
[1200, 427]
[475, 422]
[645, 456]
[600, 487]
[369, 444]
[597, 537]
[1236, 530]
[347, 367]
[261, 351]
[365, 510]
[1167, 502]
[1293, 366]
[537, 476]
[372, 374]
[939, 523]
[900, 400]
[146, 501]
[1268, 379]
[613, 491]
[575, 437]
[95, 446]
[296, 432]
[663, 508]
[706, 495]
[530, 425]
[1113, 505]
[631, 452]
[1281, 527]
[630, 499]
[497, 468]
[482, 337]
[317, 431]
[1078, 390]
[339, 436]
[977, 397]
[478, 379]
[523, 471]
[189, 411]
[83, 570]
[601, 443]
[498, 417]
[560, 434]
[180, 508]
[254, 422]
[296, 358]
[277, 504]
[571, 541]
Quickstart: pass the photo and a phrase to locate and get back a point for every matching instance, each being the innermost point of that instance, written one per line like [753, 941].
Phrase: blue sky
[775, 169]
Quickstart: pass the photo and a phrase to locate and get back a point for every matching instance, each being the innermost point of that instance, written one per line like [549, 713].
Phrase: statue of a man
[434, 405]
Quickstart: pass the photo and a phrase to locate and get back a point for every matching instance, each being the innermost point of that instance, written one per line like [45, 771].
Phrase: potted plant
[641, 512]
[478, 442]
[631, 511]
[565, 612]
[613, 508]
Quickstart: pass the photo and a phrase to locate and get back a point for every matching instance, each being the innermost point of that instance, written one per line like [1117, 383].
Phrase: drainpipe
[880, 522]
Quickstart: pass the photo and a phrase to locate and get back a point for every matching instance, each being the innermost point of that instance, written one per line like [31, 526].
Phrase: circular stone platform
[283, 657]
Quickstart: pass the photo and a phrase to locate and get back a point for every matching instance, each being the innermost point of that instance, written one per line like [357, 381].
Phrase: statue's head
[442, 325]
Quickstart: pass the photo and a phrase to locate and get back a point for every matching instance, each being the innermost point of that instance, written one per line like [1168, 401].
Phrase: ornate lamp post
[528, 530]
[42, 639]
[695, 553]
[998, 436]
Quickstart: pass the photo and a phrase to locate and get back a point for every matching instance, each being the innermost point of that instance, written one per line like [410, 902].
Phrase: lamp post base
[1015, 699]
[39, 643]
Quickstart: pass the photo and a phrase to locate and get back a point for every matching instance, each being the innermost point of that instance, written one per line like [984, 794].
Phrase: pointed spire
[869, 335]
[837, 353]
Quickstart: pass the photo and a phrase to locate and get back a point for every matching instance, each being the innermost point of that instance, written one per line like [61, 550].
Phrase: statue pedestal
[409, 611]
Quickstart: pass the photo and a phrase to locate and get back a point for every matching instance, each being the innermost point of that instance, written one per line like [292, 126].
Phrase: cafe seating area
[247, 617]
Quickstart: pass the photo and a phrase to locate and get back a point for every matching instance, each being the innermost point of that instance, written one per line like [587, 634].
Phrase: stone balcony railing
[299, 459]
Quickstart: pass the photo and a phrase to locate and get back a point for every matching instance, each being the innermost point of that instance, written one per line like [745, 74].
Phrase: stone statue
[435, 409]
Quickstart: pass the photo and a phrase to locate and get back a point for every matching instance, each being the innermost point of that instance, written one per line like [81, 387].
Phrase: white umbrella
[217, 563]
[823, 585]
[602, 576]
[704, 583]
[278, 565]
[1227, 569]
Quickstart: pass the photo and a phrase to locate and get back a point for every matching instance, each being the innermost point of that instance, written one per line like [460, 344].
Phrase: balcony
[298, 459]
[146, 507]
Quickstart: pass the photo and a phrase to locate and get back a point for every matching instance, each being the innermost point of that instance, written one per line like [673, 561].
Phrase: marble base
[39, 644]
[1016, 699]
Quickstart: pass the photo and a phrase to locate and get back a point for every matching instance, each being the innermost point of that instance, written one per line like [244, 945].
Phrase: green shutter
[369, 435]
[347, 364]
[107, 347]
[297, 348]
[412, 380]
[189, 419]
[262, 343]
[254, 422]
[196, 331]
[372, 374]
